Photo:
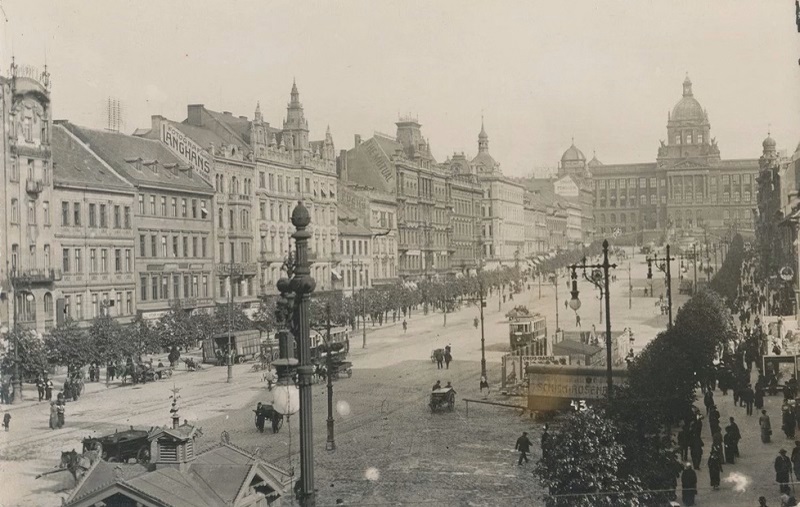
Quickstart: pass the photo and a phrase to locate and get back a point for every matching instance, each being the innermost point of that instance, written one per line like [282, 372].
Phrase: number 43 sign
[578, 405]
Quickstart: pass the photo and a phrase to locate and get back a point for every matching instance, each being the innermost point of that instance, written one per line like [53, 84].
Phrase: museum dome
[688, 108]
[573, 154]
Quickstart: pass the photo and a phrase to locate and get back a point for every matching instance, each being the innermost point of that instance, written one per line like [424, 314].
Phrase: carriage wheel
[239, 359]
[143, 456]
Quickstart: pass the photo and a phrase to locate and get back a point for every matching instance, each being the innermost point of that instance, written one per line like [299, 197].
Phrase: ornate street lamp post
[599, 279]
[301, 285]
[663, 264]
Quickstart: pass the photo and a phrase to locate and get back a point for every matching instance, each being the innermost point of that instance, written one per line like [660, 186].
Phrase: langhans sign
[187, 149]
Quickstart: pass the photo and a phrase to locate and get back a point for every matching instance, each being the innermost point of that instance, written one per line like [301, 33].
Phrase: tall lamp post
[663, 264]
[298, 288]
[554, 279]
[599, 279]
[233, 270]
[330, 443]
[482, 303]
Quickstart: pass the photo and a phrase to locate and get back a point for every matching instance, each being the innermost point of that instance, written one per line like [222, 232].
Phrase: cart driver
[437, 385]
[449, 386]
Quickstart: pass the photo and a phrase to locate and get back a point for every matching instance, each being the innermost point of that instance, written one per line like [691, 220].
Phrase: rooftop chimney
[195, 114]
[227, 113]
[357, 140]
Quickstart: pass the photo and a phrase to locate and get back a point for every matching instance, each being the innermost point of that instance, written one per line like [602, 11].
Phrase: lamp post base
[230, 372]
[17, 385]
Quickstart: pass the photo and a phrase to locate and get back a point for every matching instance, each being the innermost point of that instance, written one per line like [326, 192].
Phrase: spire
[257, 115]
[483, 139]
[687, 86]
[295, 94]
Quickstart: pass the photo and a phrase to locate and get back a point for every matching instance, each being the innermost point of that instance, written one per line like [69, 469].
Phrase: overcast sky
[605, 72]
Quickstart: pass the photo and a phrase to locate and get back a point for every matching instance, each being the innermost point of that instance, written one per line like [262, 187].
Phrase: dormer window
[136, 162]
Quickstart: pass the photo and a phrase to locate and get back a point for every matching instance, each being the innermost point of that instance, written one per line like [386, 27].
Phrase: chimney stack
[357, 140]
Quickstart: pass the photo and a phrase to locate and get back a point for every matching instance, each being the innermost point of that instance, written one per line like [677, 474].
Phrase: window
[203, 209]
[186, 290]
[270, 178]
[153, 206]
[142, 245]
[194, 286]
[262, 210]
[194, 208]
[67, 307]
[163, 246]
[14, 170]
[79, 307]
[95, 306]
[143, 288]
[92, 215]
[165, 287]
[205, 278]
[261, 181]
[174, 207]
[47, 256]
[127, 217]
[76, 219]
[117, 217]
[92, 260]
[174, 246]
[153, 246]
[176, 286]
[699, 138]
[688, 138]
[14, 211]
[183, 208]
[32, 212]
[154, 284]
[128, 260]
[203, 247]
[678, 138]
[186, 246]
[163, 206]
[220, 224]
[232, 222]
[104, 260]
[64, 214]
[78, 261]
[194, 246]
[48, 305]
[297, 184]
[65, 260]
[129, 303]
[221, 251]
[141, 204]
[46, 212]
[103, 217]
[118, 303]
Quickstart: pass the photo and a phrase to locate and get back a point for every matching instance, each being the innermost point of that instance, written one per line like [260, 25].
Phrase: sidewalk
[753, 471]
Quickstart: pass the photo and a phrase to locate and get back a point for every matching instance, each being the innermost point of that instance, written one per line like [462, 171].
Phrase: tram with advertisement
[339, 345]
[528, 330]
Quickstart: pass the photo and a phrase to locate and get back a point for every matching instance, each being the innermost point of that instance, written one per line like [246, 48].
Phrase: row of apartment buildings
[196, 211]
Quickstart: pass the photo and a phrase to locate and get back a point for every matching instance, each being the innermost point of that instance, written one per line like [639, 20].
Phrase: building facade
[173, 226]
[94, 232]
[688, 190]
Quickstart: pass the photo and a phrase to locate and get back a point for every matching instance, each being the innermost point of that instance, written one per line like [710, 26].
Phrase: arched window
[14, 211]
[234, 185]
[232, 223]
[613, 218]
[219, 219]
[48, 305]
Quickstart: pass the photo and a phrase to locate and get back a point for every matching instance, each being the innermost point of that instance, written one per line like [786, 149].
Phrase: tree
[106, 339]
[177, 328]
[140, 338]
[69, 346]
[581, 462]
[230, 317]
[30, 353]
[726, 281]
[264, 318]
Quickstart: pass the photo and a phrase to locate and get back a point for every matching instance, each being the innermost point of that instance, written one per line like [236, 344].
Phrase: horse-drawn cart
[266, 412]
[443, 399]
[121, 446]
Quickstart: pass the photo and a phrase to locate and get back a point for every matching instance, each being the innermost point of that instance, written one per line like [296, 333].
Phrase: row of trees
[626, 450]
[107, 340]
[727, 279]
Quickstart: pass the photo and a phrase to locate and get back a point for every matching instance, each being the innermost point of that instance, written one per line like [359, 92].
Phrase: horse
[74, 463]
[130, 369]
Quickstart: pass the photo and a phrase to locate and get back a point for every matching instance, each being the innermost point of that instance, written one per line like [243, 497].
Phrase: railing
[26, 276]
[238, 197]
[270, 257]
[33, 186]
[250, 268]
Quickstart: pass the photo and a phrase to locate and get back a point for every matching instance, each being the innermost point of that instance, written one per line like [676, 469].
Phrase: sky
[540, 72]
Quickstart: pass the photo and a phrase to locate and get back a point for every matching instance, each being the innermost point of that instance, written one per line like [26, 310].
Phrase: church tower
[296, 125]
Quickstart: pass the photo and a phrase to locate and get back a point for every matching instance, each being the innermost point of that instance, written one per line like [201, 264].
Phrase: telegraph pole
[694, 258]
[331, 443]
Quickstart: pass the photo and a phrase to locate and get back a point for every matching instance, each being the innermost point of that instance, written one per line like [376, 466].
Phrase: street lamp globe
[286, 399]
[29, 297]
[575, 303]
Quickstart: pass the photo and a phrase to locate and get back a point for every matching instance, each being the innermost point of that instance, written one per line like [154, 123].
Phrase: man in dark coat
[783, 470]
[730, 445]
[40, 387]
[260, 417]
[688, 485]
[523, 446]
[796, 459]
[737, 435]
[683, 443]
[748, 395]
[696, 449]
[714, 468]
[708, 401]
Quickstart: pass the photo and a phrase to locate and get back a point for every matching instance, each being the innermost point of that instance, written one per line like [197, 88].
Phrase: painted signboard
[553, 387]
[188, 150]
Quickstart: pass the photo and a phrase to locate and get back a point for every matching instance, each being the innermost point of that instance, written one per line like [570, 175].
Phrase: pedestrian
[796, 459]
[766, 427]
[788, 421]
[749, 397]
[688, 485]
[439, 356]
[762, 502]
[6, 421]
[40, 387]
[716, 442]
[437, 385]
[260, 417]
[683, 443]
[577, 320]
[48, 389]
[758, 398]
[737, 435]
[708, 401]
[447, 357]
[484, 384]
[405, 325]
[714, 468]
[696, 449]
[729, 441]
[60, 409]
[783, 470]
[566, 302]
[523, 446]
[53, 415]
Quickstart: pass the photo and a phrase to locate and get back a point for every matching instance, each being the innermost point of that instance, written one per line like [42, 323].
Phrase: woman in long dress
[53, 415]
[766, 427]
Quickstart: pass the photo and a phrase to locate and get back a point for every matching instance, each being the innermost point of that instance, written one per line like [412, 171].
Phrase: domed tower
[573, 162]
[483, 161]
[688, 129]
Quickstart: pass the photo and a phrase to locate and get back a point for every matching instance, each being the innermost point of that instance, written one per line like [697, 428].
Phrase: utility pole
[230, 321]
[555, 286]
[666, 269]
[694, 259]
[630, 287]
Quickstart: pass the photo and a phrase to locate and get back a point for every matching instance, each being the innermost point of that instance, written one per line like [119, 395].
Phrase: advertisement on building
[187, 149]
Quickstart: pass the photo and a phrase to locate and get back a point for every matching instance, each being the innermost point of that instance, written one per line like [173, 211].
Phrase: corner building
[688, 188]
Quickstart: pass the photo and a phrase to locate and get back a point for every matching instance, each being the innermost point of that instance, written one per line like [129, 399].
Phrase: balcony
[269, 257]
[238, 198]
[238, 268]
[34, 186]
[28, 277]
